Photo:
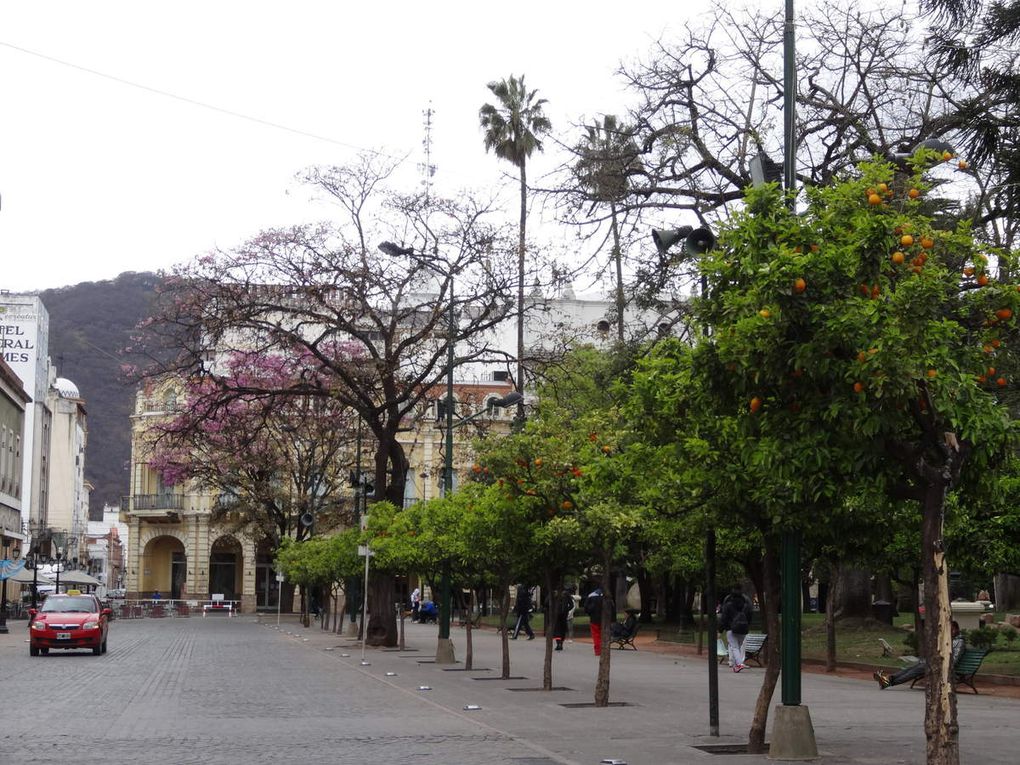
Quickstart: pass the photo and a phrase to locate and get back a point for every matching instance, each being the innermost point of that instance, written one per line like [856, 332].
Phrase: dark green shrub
[1010, 634]
[981, 638]
[911, 641]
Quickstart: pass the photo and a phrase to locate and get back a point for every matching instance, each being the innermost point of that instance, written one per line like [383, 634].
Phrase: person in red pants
[593, 606]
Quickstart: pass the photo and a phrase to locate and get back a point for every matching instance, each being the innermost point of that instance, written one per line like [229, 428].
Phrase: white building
[24, 343]
[68, 500]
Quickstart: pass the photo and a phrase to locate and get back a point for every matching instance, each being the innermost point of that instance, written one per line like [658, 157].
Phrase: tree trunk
[644, 582]
[940, 724]
[602, 681]
[1007, 592]
[769, 602]
[854, 599]
[830, 618]
[550, 616]
[504, 614]
[382, 617]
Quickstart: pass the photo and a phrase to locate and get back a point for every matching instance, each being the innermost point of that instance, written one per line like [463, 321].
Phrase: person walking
[523, 608]
[735, 619]
[415, 603]
[563, 607]
[593, 606]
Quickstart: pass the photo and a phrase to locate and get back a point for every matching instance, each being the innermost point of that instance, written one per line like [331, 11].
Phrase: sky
[102, 172]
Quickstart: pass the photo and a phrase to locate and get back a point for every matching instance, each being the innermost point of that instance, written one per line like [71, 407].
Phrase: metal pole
[3, 609]
[35, 579]
[790, 564]
[790, 552]
[364, 608]
[789, 106]
[713, 659]
[444, 599]
[279, 600]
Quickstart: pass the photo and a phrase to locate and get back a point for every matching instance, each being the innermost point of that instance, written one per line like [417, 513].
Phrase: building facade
[13, 401]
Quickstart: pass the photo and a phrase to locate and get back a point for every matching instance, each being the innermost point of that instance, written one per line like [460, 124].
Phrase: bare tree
[369, 327]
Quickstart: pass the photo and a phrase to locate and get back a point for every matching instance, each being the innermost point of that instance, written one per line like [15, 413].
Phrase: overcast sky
[98, 176]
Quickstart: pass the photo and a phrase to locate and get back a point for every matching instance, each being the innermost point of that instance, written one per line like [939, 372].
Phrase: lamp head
[665, 238]
[395, 250]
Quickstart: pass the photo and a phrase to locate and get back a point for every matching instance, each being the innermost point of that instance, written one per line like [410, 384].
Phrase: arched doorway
[267, 589]
[164, 568]
[225, 561]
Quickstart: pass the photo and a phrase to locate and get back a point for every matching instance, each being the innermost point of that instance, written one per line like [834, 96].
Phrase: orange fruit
[906, 240]
[963, 164]
[927, 242]
[755, 405]
[872, 350]
[986, 348]
[913, 193]
[875, 292]
[765, 313]
[566, 504]
[862, 357]
[883, 188]
[982, 280]
[476, 468]
[799, 285]
[981, 378]
[538, 462]
[874, 199]
[933, 373]
[991, 371]
[815, 248]
[996, 342]
[1001, 382]
[858, 387]
[947, 155]
[898, 258]
[968, 271]
[1004, 313]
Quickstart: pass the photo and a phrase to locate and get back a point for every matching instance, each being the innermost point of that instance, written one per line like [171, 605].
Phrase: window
[501, 376]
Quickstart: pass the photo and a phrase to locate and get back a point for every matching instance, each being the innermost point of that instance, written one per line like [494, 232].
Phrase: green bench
[966, 668]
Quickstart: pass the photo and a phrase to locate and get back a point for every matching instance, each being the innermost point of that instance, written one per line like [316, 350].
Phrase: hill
[90, 325]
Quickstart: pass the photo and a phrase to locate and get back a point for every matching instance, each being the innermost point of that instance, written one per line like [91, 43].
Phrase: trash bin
[883, 611]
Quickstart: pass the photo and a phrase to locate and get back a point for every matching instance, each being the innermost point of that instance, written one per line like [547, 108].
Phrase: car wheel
[44, 651]
[97, 649]
[33, 650]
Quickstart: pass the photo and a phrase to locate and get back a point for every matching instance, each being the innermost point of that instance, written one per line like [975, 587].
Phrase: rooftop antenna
[426, 168]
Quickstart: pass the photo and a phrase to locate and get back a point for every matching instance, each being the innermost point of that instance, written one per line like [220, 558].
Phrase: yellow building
[175, 547]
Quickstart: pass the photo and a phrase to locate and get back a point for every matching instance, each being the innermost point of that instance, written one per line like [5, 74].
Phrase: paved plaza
[219, 690]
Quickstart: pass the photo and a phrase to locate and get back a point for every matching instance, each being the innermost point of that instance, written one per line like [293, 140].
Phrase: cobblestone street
[225, 691]
[220, 690]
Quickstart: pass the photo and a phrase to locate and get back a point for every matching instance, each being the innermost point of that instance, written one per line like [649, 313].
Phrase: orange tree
[857, 338]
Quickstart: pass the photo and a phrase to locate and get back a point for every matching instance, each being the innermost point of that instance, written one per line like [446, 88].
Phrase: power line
[191, 101]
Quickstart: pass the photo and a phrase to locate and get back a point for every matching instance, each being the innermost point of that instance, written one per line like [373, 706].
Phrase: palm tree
[608, 156]
[512, 129]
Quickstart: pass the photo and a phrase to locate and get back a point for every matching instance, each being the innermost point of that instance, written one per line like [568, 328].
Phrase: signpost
[279, 596]
[363, 550]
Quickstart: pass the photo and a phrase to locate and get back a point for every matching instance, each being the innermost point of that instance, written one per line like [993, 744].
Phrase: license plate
[63, 636]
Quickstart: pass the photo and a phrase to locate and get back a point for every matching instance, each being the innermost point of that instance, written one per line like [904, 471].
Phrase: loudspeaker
[307, 519]
[699, 241]
[666, 238]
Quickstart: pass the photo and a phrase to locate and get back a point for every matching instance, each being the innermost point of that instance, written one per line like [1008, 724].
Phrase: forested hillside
[90, 325]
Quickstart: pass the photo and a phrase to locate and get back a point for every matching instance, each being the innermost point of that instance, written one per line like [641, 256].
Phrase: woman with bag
[735, 619]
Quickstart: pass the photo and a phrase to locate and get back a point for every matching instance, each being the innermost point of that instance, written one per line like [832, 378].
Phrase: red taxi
[68, 621]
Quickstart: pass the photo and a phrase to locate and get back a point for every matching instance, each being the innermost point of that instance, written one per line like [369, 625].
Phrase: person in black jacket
[735, 619]
[593, 606]
[523, 610]
[563, 606]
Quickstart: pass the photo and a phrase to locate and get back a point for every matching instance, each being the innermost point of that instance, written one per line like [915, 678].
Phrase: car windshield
[68, 605]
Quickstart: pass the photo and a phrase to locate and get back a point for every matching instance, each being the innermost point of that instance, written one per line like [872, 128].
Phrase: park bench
[624, 635]
[966, 668]
[754, 643]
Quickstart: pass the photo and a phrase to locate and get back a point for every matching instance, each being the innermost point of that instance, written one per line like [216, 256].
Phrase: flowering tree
[369, 326]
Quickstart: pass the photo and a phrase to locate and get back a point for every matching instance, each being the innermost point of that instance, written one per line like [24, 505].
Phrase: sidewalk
[664, 692]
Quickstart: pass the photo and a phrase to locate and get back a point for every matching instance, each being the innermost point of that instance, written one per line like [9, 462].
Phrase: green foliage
[982, 637]
[319, 560]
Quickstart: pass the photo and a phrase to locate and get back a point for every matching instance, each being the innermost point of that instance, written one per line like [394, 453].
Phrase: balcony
[155, 508]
